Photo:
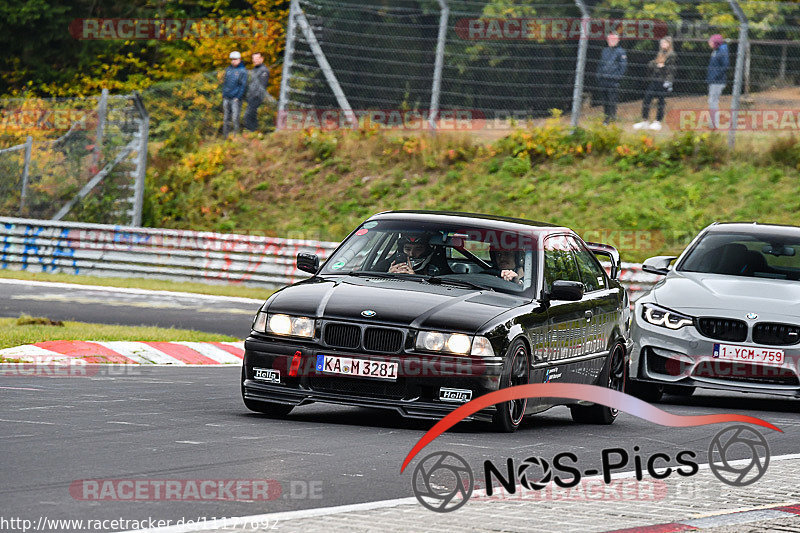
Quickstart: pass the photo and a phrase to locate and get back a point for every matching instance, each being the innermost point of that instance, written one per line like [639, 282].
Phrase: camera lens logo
[731, 442]
[526, 476]
[443, 482]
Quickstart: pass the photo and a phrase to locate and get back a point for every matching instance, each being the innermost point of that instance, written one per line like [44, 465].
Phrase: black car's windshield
[464, 256]
[747, 255]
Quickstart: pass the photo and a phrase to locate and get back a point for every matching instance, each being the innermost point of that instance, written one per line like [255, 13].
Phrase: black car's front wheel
[613, 376]
[516, 369]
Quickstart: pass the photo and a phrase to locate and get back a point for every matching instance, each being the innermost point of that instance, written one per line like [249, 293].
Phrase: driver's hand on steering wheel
[401, 268]
[509, 275]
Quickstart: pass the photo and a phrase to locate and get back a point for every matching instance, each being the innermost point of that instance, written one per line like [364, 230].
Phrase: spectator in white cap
[233, 88]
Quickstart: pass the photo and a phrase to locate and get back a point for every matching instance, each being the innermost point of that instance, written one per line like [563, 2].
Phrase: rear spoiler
[608, 251]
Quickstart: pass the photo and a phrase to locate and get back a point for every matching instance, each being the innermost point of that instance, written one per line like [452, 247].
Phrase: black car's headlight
[457, 343]
[280, 324]
[666, 318]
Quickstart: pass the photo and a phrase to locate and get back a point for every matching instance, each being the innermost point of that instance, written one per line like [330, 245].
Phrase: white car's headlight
[666, 318]
[457, 343]
[280, 324]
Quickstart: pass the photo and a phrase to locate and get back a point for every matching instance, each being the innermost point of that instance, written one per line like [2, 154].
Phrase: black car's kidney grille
[722, 329]
[776, 334]
[383, 340]
[343, 335]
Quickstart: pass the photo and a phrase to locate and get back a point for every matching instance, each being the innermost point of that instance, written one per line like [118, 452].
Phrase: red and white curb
[720, 520]
[125, 352]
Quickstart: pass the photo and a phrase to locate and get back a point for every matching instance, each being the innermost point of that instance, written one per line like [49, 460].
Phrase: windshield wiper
[388, 275]
[458, 283]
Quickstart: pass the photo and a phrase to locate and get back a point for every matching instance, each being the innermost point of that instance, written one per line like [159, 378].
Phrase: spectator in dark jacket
[717, 74]
[234, 85]
[256, 91]
[613, 64]
[661, 75]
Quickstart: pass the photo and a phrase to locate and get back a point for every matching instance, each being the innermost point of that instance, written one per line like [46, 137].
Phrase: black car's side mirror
[308, 262]
[658, 264]
[571, 291]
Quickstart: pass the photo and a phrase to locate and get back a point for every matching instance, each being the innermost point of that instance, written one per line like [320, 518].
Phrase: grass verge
[148, 284]
[25, 330]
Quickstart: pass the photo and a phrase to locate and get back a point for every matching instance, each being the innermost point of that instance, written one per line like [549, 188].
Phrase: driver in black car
[509, 264]
[415, 255]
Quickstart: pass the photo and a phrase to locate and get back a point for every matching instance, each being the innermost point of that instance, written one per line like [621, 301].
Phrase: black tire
[613, 376]
[649, 392]
[516, 371]
[679, 390]
[276, 410]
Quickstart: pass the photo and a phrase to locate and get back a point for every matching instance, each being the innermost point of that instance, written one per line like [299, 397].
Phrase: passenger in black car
[415, 255]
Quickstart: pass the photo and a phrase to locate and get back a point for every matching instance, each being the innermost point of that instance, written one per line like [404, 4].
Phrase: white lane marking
[28, 422]
[213, 352]
[20, 388]
[189, 442]
[46, 407]
[245, 521]
[128, 423]
[132, 291]
[141, 352]
[145, 304]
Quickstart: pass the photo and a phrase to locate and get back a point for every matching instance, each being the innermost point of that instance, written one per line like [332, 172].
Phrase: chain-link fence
[73, 158]
[501, 60]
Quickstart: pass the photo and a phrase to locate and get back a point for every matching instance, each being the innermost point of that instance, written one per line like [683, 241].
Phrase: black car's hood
[397, 302]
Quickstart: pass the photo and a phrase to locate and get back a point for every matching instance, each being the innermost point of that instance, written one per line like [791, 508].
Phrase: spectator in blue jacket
[717, 74]
[234, 85]
[613, 64]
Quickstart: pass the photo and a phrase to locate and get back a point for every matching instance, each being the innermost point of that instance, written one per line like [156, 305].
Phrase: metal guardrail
[182, 255]
[120, 251]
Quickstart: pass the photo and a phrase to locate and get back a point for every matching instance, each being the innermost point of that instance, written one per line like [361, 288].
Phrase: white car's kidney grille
[776, 334]
[723, 329]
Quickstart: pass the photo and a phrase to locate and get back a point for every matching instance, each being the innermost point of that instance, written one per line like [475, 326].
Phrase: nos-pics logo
[444, 481]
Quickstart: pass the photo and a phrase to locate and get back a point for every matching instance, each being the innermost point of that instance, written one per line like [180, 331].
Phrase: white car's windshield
[747, 255]
[475, 257]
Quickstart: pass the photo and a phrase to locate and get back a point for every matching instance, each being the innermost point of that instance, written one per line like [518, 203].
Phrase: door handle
[588, 315]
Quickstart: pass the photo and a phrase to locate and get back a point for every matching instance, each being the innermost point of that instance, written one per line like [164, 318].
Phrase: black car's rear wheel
[268, 408]
[613, 376]
[516, 368]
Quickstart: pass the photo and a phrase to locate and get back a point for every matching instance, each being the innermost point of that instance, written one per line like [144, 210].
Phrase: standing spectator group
[660, 82]
[237, 86]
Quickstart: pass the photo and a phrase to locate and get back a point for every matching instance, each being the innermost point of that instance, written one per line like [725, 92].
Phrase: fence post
[580, 68]
[102, 111]
[25, 172]
[141, 160]
[288, 57]
[741, 50]
[438, 65]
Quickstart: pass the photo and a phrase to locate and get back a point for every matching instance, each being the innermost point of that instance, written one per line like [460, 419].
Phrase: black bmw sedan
[419, 312]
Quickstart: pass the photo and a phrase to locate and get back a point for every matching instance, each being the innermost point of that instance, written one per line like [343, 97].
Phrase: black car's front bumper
[415, 393]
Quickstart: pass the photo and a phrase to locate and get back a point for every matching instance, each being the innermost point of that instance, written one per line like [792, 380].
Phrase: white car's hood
[700, 291]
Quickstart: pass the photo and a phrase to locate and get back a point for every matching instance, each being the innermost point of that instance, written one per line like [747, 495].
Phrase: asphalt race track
[107, 305]
[189, 424]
